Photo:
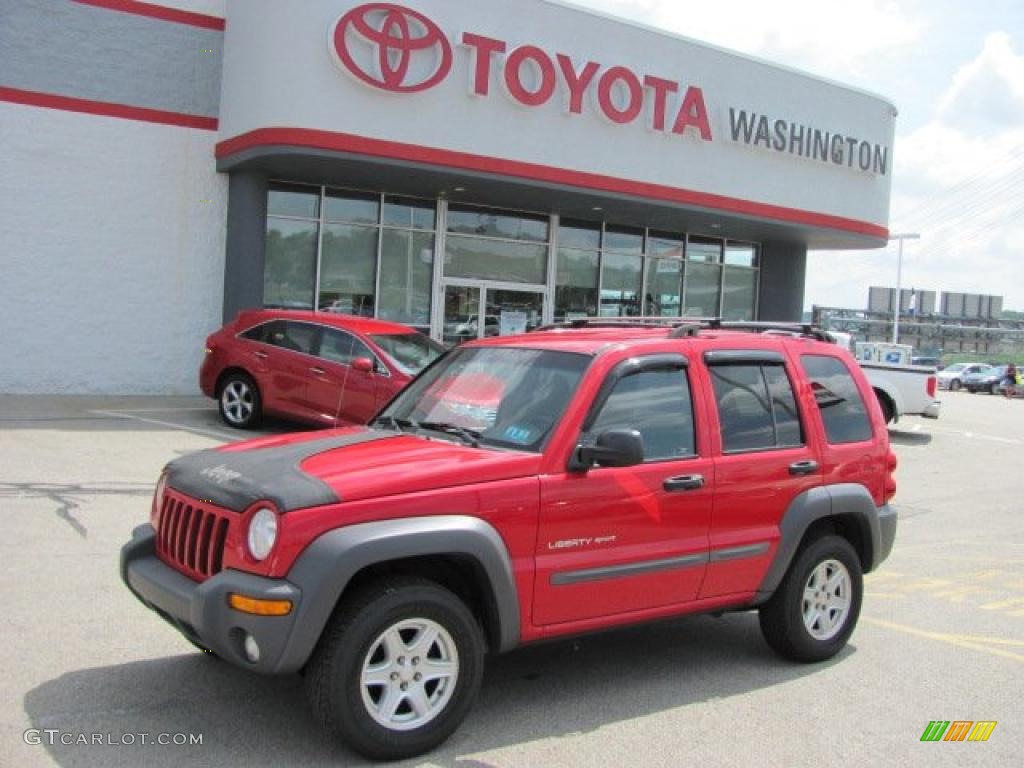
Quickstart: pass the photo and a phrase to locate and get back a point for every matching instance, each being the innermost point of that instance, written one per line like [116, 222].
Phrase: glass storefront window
[377, 258]
[624, 240]
[406, 274]
[351, 207]
[579, 234]
[575, 284]
[621, 278]
[702, 288]
[348, 260]
[290, 268]
[481, 258]
[470, 220]
[740, 285]
[302, 202]
[408, 212]
[741, 254]
[665, 244]
[664, 287]
[705, 249]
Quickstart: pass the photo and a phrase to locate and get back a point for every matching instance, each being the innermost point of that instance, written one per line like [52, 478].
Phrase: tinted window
[297, 337]
[842, 409]
[787, 419]
[657, 404]
[756, 407]
[411, 352]
[341, 347]
[257, 332]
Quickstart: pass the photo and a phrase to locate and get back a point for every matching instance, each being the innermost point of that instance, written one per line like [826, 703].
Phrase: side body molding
[326, 567]
[851, 501]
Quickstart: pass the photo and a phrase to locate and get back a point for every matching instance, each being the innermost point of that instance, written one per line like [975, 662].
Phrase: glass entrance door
[474, 310]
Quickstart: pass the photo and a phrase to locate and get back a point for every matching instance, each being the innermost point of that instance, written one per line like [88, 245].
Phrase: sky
[955, 71]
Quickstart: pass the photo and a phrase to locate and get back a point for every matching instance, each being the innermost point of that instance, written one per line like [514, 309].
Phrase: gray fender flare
[326, 567]
[850, 500]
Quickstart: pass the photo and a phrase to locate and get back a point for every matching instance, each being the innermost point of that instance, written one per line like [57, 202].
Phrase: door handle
[808, 467]
[683, 483]
[317, 371]
[260, 355]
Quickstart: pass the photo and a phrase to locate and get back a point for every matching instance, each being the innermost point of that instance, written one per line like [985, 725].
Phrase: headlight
[262, 533]
[158, 496]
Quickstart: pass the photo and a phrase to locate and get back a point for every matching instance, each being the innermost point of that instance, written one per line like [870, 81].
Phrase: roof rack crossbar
[681, 327]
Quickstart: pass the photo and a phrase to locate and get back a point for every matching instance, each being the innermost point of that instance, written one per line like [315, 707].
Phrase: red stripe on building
[161, 12]
[393, 150]
[107, 109]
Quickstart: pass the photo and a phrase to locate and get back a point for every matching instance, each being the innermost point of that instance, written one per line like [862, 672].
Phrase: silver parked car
[952, 377]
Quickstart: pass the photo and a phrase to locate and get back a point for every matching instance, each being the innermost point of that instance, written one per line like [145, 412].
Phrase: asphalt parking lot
[941, 635]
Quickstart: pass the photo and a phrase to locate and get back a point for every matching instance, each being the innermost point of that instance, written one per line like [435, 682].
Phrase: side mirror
[613, 448]
[363, 364]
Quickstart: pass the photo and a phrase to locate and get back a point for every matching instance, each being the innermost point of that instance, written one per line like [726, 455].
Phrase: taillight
[891, 462]
[932, 382]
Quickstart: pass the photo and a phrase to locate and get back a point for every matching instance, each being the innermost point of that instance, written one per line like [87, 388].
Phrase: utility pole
[899, 277]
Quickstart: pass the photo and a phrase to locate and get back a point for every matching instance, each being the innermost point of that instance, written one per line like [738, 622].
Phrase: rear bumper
[932, 411]
[200, 611]
[884, 534]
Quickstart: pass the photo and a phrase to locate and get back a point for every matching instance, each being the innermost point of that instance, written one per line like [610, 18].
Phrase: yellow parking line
[983, 644]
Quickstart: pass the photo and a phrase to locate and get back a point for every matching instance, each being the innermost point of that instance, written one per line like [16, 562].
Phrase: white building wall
[209, 7]
[111, 253]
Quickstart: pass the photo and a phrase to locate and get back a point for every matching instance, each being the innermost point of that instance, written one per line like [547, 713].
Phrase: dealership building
[466, 168]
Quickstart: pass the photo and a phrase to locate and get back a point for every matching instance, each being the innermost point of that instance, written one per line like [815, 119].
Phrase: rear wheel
[993, 389]
[815, 609]
[239, 401]
[397, 669]
[888, 411]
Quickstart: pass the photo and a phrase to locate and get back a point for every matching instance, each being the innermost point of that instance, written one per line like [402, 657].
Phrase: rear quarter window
[842, 409]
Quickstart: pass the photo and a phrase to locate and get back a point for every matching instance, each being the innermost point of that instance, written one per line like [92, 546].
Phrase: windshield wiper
[469, 436]
[392, 422]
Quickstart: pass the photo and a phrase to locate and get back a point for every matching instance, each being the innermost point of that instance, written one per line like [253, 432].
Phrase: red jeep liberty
[572, 479]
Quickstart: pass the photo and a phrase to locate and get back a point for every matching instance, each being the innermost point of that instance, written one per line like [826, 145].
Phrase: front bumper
[200, 611]
[932, 411]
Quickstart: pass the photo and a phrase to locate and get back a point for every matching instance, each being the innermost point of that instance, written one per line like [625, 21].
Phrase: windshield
[410, 352]
[956, 368]
[491, 396]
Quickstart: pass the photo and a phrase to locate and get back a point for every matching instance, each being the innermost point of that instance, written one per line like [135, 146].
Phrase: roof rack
[681, 327]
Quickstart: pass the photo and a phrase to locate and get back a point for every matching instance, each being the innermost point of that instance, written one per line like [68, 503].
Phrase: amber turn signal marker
[259, 607]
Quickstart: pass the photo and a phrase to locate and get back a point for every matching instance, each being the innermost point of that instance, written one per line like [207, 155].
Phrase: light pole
[899, 276]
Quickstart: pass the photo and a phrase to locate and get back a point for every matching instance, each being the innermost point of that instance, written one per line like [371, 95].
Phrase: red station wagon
[523, 488]
[321, 368]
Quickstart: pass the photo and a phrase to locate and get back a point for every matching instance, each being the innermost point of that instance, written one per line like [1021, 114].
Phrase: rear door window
[298, 337]
[839, 401]
[756, 407]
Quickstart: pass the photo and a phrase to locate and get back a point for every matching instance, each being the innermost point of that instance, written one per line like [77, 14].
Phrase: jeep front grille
[191, 537]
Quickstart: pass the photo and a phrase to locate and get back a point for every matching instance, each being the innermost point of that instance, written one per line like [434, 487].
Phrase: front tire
[815, 609]
[397, 669]
[239, 401]
[954, 385]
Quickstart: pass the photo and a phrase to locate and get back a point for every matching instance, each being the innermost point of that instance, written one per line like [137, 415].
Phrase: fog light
[252, 649]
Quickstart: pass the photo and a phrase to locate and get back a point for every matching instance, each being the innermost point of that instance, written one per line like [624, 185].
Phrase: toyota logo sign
[391, 48]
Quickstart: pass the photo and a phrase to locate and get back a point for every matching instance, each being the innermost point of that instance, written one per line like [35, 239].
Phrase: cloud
[825, 37]
[959, 182]
[987, 95]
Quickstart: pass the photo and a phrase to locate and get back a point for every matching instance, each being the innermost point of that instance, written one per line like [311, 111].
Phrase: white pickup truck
[901, 389]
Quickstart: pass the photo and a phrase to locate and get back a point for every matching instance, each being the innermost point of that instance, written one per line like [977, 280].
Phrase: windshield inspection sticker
[518, 435]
